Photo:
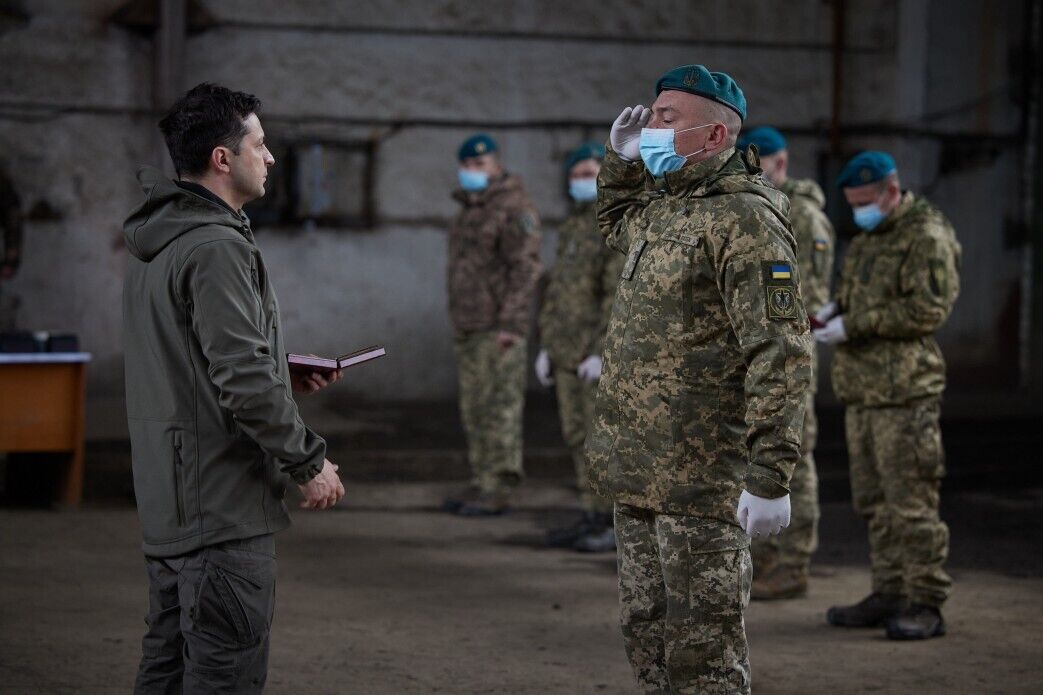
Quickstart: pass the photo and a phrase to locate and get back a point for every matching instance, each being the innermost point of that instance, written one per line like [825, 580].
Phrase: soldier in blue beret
[898, 285]
[782, 564]
[572, 321]
[707, 367]
[494, 265]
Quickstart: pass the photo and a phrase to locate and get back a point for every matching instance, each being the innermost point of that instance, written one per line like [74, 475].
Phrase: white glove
[543, 374]
[625, 137]
[590, 368]
[760, 516]
[827, 312]
[832, 333]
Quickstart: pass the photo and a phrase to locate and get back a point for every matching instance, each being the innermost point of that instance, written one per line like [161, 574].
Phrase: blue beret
[866, 167]
[767, 139]
[696, 79]
[476, 145]
[588, 150]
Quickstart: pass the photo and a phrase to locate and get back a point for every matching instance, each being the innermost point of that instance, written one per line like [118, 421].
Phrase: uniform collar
[891, 221]
[690, 178]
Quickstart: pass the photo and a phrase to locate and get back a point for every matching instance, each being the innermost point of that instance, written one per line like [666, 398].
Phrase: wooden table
[42, 410]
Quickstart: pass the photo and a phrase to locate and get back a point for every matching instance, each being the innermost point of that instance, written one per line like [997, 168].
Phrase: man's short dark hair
[208, 116]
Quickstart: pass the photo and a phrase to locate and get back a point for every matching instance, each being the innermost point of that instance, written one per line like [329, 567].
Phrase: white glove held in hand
[827, 312]
[590, 368]
[832, 333]
[625, 137]
[543, 374]
[759, 516]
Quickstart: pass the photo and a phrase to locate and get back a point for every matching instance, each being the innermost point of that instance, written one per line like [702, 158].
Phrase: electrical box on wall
[320, 183]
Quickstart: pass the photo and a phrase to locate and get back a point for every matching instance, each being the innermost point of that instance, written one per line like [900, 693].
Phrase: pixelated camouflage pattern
[707, 357]
[494, 258]
[582, 284]
[492, 397]
[576, 411]
[897, 287]
[897, 463]
[684, 583]
[815, 238]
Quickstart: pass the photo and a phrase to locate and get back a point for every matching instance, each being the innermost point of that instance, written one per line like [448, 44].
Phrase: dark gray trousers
[210, 612]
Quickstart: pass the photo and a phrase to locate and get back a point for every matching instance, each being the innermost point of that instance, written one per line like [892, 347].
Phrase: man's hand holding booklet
[311, 373]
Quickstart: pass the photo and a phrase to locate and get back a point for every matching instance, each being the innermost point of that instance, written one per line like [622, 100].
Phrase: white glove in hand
[625, 137]
[827, 312]
[760, 516]
[590, 368]
[832, 333]
[543, 374]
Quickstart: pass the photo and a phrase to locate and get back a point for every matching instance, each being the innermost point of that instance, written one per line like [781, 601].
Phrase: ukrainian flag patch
[780, 271]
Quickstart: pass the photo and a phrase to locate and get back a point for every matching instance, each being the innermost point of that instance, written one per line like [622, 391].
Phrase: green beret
[588, 150]
[866, 167]
[696, 79]
[767, 139]
[476, 145]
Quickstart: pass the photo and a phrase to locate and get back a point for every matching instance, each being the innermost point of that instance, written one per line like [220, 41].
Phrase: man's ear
[718, 136]
[220, 159]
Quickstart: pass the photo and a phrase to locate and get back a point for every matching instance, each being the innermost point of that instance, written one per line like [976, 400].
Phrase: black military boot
[458, 499]
[917, 621]
[565, 536]
[486, 504]
[600, 536]
[872, 611]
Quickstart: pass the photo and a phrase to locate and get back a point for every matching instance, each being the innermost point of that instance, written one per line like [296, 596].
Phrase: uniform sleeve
[620, 185]
[769, 320]
[929, 283]
[217, 283]
[815, 251]
[520, 251]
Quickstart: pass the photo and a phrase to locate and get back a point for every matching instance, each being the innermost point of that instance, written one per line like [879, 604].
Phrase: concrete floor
[385, 595]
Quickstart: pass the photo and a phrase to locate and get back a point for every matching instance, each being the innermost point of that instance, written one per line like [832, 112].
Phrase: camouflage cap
[865, 168]
[696, 79]
[588, 150]
[477, 145]
[767, 139]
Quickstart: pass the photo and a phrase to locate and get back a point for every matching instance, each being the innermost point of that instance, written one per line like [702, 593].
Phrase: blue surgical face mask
[583, 190]
[657, 149]
[867, 217]
[471, 180]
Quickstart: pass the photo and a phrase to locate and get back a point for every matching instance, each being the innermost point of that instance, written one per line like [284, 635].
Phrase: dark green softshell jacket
[214, 429]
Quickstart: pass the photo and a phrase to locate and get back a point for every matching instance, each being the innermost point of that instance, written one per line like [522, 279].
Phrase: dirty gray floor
[385, 595]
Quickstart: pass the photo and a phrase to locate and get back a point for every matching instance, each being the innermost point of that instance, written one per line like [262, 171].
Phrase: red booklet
[310, 363]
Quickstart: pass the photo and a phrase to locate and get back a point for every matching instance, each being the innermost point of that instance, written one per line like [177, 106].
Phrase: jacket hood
[168, 212]
[805, 188]
[729, 171]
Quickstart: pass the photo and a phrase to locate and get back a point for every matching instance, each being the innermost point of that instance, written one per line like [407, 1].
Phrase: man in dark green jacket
[214, 429]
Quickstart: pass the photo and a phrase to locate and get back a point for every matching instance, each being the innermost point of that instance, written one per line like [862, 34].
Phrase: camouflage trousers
[794, 546]
[492, 396]
[897, 464]
[684, 584]
[576, 412]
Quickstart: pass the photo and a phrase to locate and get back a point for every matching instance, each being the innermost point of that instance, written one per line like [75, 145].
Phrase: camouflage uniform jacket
[494, 259]
[578, 300]
[897, 287]
[815, 240]
[708, 353]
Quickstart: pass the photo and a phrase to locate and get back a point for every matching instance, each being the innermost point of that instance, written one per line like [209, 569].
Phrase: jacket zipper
[179, 492]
